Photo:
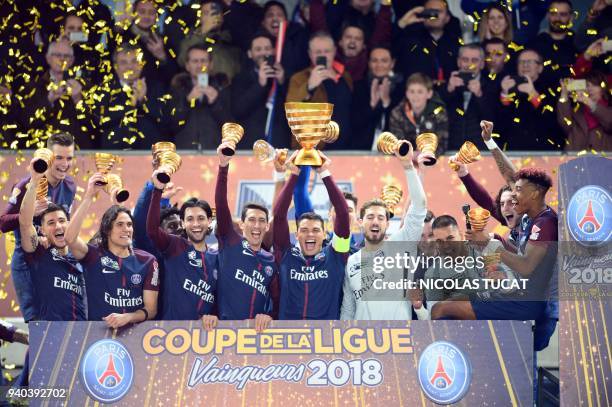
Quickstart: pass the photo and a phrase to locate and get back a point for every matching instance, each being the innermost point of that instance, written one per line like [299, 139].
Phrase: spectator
[86, 56]
[526, 15]
[227, 56]
[54, 103]
[250, 92]
[243, 19]
[496, 58]
[594, 57]
[588, 125]
[352, 52]
[420, 113]
[495, 23]
[525, 124]
[199, 108]
[469, 97]
[294, 52]
[328, 82]
[336, 16]
[130, 110]
[426, 45]
[143, 33]
[597, 21]
[556, 45]
[374, 98]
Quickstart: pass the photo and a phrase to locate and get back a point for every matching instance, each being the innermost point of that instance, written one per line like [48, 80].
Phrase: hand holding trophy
[311, 123]
[44, 158]
[104, 163]
[166, 159]
[468, 153]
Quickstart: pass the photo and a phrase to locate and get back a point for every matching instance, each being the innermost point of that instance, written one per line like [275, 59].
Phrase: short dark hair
[373, 202]
[429, 216]
[253, 205]
[568, 2]
[200, 46]
[272, 3]
[352, 24]
[494, 41]
[167, 212]
[124, 49]
[535, 176]
[350, 197]
[195, 203]
[106, 224]
[261, 34]
[600, 79]
[50, 209]
[63, 139]
[311, 216]
[381, 46]
[539, 56]
[443, 222]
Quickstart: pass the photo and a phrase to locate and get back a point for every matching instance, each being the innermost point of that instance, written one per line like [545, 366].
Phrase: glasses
[529, 62]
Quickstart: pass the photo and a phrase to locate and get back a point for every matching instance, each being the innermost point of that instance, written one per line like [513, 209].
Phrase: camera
[519, 79]
[270, 60]
[321, 60]
[428, 13]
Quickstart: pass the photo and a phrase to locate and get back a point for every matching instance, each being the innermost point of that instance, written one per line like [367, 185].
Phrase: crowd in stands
[123, 75]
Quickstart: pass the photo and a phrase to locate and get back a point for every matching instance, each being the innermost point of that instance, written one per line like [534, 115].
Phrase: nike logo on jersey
[248, 253]
[105, 271]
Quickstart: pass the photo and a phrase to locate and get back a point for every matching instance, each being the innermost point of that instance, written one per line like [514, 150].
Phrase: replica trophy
[44, 158]
[478, 218]
[165, 155]
[428, 143]
[104, 163]
[310, 123]
[231, 133]
[42, 189]
[114, 183]
[387, 143]
[265, 152]
[468, 153]
[391, 195]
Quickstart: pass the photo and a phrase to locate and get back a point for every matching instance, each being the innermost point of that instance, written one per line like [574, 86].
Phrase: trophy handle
[40, 166]
[430, 161]
[163, 177]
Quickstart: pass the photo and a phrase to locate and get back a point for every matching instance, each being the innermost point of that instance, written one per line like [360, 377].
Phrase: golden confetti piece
[459, 112]
[517, 120]
[425, 50]
[591, 31]
[438, 110]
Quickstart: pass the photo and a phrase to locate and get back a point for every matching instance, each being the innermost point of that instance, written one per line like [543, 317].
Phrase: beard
[372, 240]
[558, 28]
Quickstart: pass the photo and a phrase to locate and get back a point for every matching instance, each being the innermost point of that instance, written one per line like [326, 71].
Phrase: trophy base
[228, 151]
[308, 157]
[163, 177]
[40, 166]
[431, 161]
[122, 195]
[403, 150]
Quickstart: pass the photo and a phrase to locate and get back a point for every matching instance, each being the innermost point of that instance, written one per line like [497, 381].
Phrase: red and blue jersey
[310, 287]
[59, 285]
[116, 284]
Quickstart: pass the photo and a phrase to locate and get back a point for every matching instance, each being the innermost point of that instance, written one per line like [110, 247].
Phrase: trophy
[231, 133]
[332, 133]
[42, 189]
[387, 144]
[104, 163]
[478, 218]
[171, 162]
[310, 123]
[491, 259]
[428, 143]
[43, 157]
[468, 153]
[265, 152]
[160, 147]
[114, 183]
[391, 195]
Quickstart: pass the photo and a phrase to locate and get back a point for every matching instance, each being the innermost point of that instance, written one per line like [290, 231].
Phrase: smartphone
[576, 85]
[270, 60]
[466, 76]
[519, 79]
[321, 60]
[79, 36]
[203, 79]
[428, 13]
[606, 46]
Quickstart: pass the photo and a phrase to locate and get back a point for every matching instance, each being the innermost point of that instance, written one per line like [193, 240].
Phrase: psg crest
[588, 216]
[444, 372]
[107, 370]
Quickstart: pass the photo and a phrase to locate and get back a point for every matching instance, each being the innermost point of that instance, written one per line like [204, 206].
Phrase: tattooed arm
[505, 166]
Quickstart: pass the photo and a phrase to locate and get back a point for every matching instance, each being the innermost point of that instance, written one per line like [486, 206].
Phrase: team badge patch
[136, 279]
[107, 371]
[444, 372]
[268, 270]
[588, 216]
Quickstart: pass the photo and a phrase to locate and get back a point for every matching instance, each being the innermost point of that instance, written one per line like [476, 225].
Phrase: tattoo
[34, 241]
[505, 166]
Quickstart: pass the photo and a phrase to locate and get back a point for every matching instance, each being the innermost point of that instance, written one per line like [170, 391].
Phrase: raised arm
[504, 164]
[160, 239]
[342, 224]
[301, 199]
[281, 225]
[77, 246]
[29, 237]
[412, 224]
[225, 227]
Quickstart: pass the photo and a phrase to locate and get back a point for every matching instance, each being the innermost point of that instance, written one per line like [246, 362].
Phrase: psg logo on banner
[444, 372]
[107, 370]
[588, 216]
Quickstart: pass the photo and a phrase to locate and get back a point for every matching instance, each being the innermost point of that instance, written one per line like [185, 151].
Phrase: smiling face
[559, 17]
[272, 19]
[53, 225]
[374, 224]
[529, 64]
[121, 232]
[254, 226]
[63, 157]
[524, 195]
[497, 23]
[418, 95]
[196, 224]
[261, 47]
[381, 62]
[310, 235]
[506, 207]
[172, 224]
[146, 15]
[352, 43]
[73, 24]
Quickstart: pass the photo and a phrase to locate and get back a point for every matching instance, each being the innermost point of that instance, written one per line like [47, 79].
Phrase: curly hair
[535, 176]
[498, 214]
